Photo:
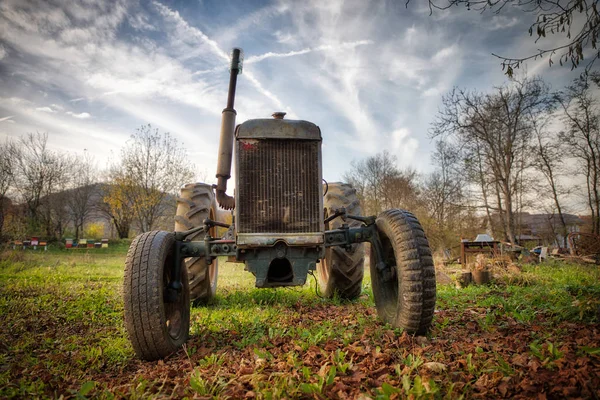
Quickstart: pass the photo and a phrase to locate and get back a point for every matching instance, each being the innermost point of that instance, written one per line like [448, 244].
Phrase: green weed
[205, 387]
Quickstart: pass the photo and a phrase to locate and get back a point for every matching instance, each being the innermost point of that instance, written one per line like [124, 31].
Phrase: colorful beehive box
[82, 243]
[104, 242]
[68, 243]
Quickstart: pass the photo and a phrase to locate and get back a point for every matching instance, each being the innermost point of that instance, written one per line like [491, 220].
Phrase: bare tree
[38, 173]
[84, 188]
[548, 159]
[116, 203]
[6, 177]
[577, 21]
[582, 135]
[54, 215]
[443, 188]
[477, 172]
[381, 185]
[494, 131]
[152, 167]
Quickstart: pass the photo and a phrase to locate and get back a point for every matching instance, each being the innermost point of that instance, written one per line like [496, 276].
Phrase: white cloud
[45, 109]
[57, 125]
[82, 115]
[371, 74]
[2, 52]
[410, 35]
[285, 38]
[255, 19]
[140, 22]
[76, 35]
[404, 145]
[431, 92]
[7, 119]
[444, 54]
[502, 22]
[220, 68]
[194, 33]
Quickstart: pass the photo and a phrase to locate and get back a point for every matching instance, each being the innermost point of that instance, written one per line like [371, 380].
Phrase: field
[534, 335]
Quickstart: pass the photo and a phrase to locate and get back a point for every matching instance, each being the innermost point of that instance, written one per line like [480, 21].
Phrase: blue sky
[370, 73]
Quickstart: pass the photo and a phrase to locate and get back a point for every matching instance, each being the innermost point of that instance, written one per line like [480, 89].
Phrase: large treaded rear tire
[406, 299]
[195, 204]
[342, 271]
[155, 328]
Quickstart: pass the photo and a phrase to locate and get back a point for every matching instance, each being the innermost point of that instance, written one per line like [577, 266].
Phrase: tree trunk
[564, 231]
[590, 199]
[509, 218]
[482, 183]
[123, 231]
[501, 213]
[122, 228]
[2, 215]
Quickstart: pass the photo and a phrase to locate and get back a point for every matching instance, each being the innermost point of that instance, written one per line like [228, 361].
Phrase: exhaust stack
[227, 133]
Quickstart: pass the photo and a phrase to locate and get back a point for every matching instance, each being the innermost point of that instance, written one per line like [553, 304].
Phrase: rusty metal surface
[270, 239]
[278, 129]
[279, 186]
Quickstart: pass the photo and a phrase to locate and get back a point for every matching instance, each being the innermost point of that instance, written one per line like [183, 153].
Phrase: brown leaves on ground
[316, 350]
[460, 359]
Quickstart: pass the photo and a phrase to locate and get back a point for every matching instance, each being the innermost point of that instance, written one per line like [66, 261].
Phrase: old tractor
[286, 222]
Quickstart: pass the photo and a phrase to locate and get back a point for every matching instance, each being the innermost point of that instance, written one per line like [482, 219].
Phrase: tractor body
[286, 222]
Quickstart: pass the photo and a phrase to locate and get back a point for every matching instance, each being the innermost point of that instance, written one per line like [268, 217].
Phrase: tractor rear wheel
[404, 294]
[342, 270]
[156, 327]
[196, 203]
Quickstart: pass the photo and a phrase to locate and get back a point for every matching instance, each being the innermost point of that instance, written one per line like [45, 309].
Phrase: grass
[62, 334]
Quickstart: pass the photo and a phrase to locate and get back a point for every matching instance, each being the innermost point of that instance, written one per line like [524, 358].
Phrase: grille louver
[278, 186]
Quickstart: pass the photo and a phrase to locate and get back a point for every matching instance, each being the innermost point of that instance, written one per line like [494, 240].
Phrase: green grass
[62, 334]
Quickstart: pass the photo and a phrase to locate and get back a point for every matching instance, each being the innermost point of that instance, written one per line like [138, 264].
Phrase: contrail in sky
[174, 16]
[326, 47]
[255, 59]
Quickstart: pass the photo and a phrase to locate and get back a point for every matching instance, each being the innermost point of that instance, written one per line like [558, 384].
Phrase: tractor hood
[278, 129]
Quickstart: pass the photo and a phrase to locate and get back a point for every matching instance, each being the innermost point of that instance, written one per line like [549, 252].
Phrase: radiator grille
[278, 186]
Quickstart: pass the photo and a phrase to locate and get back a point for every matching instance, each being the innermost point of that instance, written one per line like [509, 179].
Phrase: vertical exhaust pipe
[227, 133]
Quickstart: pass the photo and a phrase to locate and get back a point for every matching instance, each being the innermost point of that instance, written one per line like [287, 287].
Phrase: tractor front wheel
[405, 291]
[156, 326]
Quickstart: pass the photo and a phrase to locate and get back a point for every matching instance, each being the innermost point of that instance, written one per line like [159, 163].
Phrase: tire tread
[416, 274]
[345, 267]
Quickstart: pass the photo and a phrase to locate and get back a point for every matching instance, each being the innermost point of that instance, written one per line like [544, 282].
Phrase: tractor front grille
[278, 186]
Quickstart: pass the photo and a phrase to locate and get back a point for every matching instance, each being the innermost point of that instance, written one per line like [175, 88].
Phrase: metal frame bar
[212, 248]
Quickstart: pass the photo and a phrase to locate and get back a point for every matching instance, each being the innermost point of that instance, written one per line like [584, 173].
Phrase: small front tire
[156, 328]
[404, 295]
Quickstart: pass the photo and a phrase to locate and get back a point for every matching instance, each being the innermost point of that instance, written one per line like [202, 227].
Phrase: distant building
[545, 229]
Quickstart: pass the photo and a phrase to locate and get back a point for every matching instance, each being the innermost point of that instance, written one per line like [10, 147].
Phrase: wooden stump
[464, 278]
[481, 277]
